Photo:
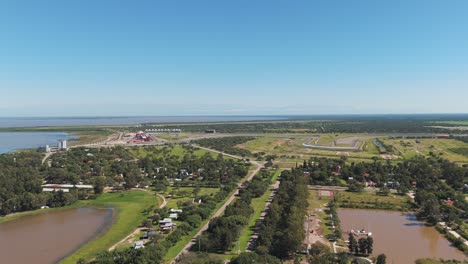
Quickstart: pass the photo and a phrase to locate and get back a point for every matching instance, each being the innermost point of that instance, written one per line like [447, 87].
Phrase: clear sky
[239, 57]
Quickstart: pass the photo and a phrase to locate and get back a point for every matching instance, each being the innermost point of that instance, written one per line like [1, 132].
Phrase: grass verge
[129, 206]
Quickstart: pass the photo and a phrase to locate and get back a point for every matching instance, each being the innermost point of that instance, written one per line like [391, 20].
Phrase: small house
[138, 245]
[165, 221]
[173, 216]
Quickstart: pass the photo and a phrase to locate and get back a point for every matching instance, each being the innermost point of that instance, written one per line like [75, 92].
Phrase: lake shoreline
[389, 228]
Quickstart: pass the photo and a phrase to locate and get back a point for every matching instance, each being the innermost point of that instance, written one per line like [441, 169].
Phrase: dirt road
[220, 211]
[139, 229]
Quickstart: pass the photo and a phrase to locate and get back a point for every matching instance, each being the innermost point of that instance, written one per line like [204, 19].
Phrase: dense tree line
[224, 231]
[226, 144]
[21, 177]
[282, 232]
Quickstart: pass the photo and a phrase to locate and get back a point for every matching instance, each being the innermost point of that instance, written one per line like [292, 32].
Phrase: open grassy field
[129, 206]
[88, 137]
[317, 205]
[177, 150]
[173, 136]
[289, 148]
[457, 123]
[372, 200]
[449, 148]
[257, 204]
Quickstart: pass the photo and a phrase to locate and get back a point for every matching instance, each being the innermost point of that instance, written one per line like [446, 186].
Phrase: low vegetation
[131, 208]
[226, 144]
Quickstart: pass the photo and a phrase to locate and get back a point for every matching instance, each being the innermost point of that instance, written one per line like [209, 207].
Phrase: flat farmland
[450, 149]
[289, 148]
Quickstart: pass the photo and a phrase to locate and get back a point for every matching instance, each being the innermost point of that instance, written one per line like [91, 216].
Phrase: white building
[62, 144]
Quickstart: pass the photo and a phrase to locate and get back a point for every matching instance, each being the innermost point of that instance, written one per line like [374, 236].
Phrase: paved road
[220, 211]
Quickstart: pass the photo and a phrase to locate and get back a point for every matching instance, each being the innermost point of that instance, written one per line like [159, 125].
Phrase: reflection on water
[50, 236]
[399, 235]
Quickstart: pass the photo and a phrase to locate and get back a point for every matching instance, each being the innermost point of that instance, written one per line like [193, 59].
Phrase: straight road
[220, 211]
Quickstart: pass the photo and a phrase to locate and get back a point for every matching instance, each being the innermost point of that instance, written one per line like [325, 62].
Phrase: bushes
[226, 144]
[248, 258]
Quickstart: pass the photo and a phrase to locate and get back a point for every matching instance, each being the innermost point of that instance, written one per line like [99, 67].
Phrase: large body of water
[400, 236]
[131, 120]
[49, 237]
[11, 141]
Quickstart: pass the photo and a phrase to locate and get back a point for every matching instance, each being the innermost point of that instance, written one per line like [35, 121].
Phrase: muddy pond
[50, 236]
[399, 235]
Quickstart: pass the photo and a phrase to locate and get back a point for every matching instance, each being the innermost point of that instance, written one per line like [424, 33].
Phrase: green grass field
[457, 123]
[449, 148]
[177, 197]
[319, 203]
[129, 208]
[289, 149]
[371, 200]
[173, 136]
[180, 151]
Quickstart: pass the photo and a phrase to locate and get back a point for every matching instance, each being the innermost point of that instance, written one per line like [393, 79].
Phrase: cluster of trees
[227, 144]
[335, 220]
[364, 246]
[118, 167]
[21, 178]
[224, 231]
[282, 232]
[151, 254]
[435, 181]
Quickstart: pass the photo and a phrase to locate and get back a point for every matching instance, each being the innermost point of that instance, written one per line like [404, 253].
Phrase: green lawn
[172, 202]
[371, 200]
[130, 207]
[179, 151]
[319, 203]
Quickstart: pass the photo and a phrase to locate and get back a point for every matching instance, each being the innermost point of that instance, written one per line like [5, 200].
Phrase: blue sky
[110, 57]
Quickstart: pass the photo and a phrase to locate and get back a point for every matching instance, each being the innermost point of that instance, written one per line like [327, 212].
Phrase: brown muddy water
[399, 235]
[50, 236]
